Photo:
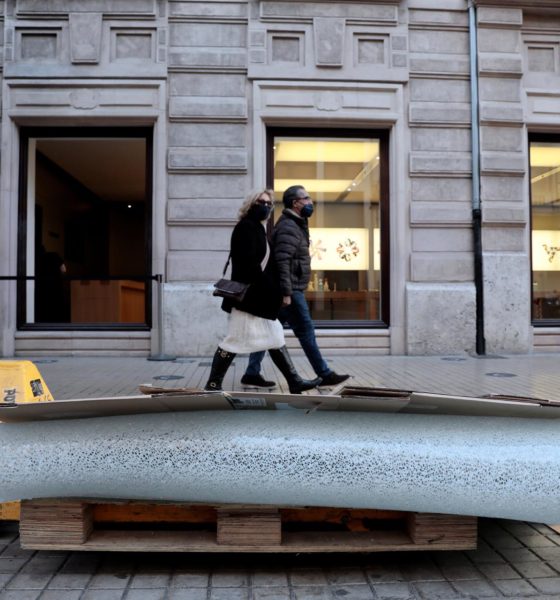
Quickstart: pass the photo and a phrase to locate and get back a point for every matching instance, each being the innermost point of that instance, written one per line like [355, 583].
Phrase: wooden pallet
[148, 527]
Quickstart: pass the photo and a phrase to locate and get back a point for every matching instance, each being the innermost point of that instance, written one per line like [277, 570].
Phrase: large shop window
[545, 219]
[345, 172]
[85, 221]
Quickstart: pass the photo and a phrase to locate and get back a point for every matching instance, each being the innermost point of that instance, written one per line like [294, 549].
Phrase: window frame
[546, 138]
[27, 133]
[384, 218]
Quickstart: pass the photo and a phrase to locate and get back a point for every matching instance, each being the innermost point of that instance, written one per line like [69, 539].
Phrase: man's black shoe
[333, 379]
[257, 381]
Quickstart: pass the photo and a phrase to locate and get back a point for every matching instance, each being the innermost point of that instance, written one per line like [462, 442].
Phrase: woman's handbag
[226, 288]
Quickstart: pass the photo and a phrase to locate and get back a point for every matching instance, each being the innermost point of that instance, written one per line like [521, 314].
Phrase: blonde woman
[253, 323]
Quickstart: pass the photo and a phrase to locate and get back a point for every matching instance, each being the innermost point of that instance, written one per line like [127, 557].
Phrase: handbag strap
[227, 263]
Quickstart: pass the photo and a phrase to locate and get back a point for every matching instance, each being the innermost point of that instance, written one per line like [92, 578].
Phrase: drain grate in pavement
[501, 374]
[167, 377]
[453, 358]
[45, 361]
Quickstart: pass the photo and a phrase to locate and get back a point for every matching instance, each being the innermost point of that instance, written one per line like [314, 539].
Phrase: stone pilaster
[503, 161]
[440, 306]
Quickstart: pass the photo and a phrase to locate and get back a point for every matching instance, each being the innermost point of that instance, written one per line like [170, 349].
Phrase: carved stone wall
[211, 76]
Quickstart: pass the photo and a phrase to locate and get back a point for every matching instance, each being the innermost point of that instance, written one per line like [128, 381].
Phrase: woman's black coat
[248, 249]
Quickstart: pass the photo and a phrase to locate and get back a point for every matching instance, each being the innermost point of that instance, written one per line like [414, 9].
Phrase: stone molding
[48, 8]
[75, 99]
[291, 102]
[353, 12]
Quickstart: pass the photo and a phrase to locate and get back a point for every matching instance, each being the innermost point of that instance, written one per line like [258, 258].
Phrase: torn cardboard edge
[358, 399]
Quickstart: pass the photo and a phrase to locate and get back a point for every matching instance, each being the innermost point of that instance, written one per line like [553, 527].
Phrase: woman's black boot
[220, 364]
[296, 384]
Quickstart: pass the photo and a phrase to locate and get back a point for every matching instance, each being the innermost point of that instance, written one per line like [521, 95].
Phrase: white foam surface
[496, 467]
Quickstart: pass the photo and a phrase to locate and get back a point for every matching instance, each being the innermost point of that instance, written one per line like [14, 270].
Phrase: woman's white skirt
[248, 333]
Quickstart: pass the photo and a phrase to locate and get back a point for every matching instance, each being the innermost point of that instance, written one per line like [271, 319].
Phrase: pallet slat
[249, 527]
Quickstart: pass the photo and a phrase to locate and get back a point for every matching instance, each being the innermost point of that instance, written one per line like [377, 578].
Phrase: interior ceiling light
[326, 151]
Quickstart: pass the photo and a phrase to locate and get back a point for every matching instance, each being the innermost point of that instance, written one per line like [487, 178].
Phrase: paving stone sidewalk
[514, 560]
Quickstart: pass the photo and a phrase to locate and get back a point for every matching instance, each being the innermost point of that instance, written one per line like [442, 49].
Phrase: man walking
[291, 251]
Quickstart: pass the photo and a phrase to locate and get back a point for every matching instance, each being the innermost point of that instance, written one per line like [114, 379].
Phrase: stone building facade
[202, 84]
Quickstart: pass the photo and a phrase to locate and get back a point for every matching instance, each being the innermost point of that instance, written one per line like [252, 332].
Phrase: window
[85, 209]
[345, 172]
[545, 220]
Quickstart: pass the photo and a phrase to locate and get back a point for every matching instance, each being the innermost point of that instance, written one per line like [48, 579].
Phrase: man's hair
[290, 195]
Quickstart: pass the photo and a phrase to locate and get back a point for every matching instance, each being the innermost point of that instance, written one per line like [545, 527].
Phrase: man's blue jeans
[299, 319]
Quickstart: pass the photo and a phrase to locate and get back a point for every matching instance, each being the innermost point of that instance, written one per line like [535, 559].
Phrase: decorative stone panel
[39, 45]
[370, 50]
[85, 37]
[133, 45]
[542, 58]
[328, 34]
[286, 48]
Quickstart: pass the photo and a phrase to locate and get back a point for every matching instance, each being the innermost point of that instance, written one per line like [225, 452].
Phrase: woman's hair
[252, 199]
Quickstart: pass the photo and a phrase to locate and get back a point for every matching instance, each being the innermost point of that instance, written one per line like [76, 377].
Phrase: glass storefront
[345, 176]
[545, 219]
[85, 238]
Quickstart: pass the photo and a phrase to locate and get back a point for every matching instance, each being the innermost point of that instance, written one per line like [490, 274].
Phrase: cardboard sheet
[355, 399]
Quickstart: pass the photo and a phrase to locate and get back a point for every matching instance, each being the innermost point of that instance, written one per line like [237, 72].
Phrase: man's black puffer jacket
[291, 251]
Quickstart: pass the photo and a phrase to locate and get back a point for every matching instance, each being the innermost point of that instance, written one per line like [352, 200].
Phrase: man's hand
[286, 301]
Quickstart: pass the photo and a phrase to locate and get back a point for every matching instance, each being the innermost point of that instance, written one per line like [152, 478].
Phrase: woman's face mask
[261, 209]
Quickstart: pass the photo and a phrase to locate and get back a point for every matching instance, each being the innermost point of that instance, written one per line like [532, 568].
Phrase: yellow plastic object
[21, 382]
[9, 511]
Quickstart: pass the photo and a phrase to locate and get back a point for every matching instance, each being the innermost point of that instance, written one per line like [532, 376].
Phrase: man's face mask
[306, 210]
